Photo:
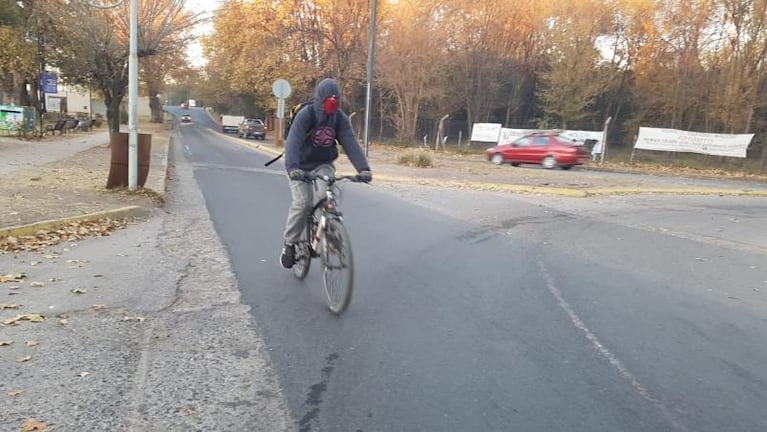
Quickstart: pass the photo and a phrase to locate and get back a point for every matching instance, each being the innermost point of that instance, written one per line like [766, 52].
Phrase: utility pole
[371, 61]
[133, 99]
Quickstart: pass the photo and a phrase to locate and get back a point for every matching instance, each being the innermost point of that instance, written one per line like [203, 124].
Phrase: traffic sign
[281, 88]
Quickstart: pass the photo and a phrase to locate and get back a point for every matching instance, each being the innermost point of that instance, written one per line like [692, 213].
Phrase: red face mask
[330, 105]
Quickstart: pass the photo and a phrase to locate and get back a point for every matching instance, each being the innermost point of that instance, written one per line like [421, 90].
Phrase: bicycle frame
[334, 251]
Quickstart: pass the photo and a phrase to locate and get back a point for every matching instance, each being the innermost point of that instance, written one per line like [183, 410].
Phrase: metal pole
[371, 60]
[604, 141]
[133, 99]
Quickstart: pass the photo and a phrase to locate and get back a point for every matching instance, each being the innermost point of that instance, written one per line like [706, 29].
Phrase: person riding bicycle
[311, 148]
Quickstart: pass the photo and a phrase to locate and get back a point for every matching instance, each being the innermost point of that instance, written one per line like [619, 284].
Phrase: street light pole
[133, 99]
[132, 85]
[371, 60]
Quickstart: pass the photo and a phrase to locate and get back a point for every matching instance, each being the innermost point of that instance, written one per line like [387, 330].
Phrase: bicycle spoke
[337, 267]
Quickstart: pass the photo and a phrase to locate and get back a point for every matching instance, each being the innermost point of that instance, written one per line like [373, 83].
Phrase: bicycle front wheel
[337, 266]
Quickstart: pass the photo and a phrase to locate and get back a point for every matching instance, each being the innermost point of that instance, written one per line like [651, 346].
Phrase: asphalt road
[494, 312]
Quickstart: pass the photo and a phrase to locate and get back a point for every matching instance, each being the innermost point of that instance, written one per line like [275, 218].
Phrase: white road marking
[606, 353]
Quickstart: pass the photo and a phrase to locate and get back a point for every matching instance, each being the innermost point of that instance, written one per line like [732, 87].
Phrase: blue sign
[49, 82]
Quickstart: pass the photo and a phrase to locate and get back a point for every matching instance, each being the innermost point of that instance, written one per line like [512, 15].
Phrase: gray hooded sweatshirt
[312, 138]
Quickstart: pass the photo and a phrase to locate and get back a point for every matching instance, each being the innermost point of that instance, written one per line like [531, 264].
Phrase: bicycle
[325, 237]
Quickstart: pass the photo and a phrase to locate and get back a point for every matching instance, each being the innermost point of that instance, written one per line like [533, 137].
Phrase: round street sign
[281, 88]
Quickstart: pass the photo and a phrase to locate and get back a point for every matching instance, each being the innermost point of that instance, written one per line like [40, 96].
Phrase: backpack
[292, 115]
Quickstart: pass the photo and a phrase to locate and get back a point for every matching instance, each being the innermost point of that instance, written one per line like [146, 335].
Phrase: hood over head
[326, 87]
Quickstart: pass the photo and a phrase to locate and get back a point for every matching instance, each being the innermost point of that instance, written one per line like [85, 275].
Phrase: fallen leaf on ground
[34, 426]
[37, 284]
[78, 291]
[32, 343]
[63, 321]
[14, 393]
[98, 307]
[23, 359]
[68, 232]
[25, 317]
[136, 318]
[12, 277]
[4, 306]
[5, 343]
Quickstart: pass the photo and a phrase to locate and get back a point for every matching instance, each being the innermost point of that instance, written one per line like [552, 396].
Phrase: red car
[547, 149]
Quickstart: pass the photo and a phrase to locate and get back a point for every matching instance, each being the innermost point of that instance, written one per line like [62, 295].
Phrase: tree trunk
[156, 107]
[764, 158]
[113, 109]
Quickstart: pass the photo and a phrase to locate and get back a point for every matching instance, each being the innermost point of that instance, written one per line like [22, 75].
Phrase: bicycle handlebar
[330, 180]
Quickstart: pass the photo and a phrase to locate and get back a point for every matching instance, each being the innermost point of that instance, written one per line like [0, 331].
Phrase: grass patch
[420, 159]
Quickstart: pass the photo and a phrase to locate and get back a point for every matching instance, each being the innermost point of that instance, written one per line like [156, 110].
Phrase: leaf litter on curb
[68, 232]
[4, 306]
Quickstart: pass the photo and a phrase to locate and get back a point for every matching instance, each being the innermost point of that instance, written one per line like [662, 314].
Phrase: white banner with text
[485, 132]
[673, 140]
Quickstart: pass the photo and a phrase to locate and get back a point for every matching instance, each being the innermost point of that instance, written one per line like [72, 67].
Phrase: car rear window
[564, 141]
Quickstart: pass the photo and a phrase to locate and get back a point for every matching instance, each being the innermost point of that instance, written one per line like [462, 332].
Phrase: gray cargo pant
[304, 196]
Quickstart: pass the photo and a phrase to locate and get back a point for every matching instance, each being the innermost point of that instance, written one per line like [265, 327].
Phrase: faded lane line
[606, 353]
[187, 150]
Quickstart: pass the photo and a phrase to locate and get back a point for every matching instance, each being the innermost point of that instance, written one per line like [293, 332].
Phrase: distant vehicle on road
[230, 123]
[184, 105]
[186, 118]
[192, 103]
[547, 149]
[252, 128]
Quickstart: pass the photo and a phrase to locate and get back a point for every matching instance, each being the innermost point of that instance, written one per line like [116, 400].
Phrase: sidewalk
[63, 178]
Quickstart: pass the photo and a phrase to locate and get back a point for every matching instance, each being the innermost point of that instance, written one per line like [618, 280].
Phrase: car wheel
[497, 159]
[549, 162]
[515, 164]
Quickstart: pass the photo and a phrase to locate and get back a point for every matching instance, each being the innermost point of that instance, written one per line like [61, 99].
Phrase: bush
[418, 159]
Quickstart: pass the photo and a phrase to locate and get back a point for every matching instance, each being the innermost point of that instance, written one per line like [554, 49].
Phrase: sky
[194, 50]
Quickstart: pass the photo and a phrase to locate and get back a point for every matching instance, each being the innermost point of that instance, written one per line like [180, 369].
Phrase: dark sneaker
[288, 257]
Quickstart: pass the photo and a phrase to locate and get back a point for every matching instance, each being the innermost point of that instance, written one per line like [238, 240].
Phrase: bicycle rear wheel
[337, 266]
[303, 255]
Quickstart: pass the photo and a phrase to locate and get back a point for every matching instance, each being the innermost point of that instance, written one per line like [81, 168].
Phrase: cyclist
[311, 148]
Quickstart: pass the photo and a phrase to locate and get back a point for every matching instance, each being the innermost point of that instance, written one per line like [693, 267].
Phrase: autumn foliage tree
[696, 65]
[93, 46]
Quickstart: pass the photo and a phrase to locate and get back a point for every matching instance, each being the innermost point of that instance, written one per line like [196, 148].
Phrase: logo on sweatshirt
[324, 136]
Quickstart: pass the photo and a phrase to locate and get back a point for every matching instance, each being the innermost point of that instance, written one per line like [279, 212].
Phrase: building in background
[78, 101]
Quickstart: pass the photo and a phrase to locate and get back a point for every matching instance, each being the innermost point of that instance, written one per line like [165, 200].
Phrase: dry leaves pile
[67, 232]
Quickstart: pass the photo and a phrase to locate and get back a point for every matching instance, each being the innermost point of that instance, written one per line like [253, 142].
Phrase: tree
[93, 44]
[492, 49]
[571, 81]
[410, 61]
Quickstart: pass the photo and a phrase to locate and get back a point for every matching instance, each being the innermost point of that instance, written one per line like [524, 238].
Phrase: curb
[33, 228]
